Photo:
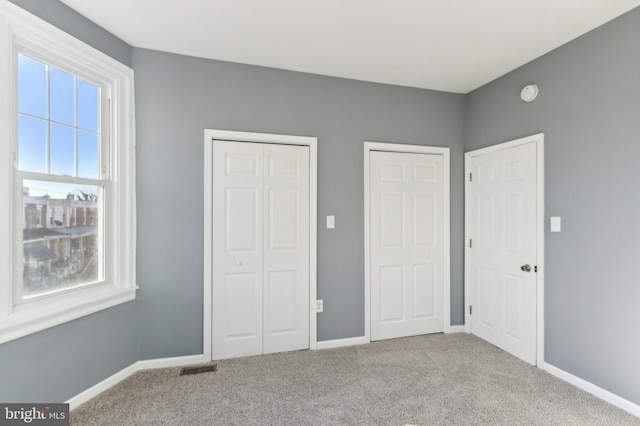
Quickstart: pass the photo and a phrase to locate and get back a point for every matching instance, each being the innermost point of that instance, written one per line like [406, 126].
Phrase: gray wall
[178, 97]
[589, 110]
[61, 362]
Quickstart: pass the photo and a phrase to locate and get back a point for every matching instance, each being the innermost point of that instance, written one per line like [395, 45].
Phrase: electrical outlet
[319, 305]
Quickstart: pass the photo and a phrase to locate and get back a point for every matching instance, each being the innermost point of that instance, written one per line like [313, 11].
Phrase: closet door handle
[238, 262]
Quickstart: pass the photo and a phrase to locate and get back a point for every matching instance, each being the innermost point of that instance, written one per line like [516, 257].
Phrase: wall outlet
[319, 305]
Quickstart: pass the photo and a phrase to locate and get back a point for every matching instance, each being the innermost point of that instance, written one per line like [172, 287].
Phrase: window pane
[32, 87]
[88, 106]
[63, 150]
[63, 251]
[63, 96]
[88, 155]
[32, 140]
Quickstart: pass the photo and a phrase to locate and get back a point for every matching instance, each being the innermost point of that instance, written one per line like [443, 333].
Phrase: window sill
[32, 319]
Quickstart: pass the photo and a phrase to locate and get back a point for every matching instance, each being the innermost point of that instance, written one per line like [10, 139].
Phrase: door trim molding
[410, 149]
[538, 139]
[312, 142]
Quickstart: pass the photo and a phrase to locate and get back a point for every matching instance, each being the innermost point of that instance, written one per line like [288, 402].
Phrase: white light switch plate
[556, 224]
[331, 222]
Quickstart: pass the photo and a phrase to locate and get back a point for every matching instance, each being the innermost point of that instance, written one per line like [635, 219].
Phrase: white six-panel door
[286, 248]
[406, 244]
[260, 248]
[502, 215]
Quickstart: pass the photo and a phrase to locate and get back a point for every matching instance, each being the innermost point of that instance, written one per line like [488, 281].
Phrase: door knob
[526, 268]
[238, 262]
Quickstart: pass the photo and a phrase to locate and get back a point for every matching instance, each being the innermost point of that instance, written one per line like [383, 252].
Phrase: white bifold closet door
[260, 249]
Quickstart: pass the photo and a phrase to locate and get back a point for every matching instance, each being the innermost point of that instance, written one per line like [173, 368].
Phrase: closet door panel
[237, 249]
[286, 248]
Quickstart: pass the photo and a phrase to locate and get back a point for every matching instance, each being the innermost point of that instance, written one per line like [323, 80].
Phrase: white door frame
[538, 139]
[410, 149]
[312, 142]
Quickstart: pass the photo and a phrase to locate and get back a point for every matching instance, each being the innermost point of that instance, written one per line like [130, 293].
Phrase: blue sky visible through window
[58, 121]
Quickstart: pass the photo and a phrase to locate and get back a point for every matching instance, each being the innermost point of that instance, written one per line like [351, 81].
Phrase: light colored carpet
[426, 380]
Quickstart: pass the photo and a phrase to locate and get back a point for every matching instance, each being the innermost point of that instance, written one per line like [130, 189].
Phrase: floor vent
[199, 369]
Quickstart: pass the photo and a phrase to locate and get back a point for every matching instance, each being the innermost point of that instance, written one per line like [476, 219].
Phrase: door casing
[538, 139]
[209, 136]
[416, 149]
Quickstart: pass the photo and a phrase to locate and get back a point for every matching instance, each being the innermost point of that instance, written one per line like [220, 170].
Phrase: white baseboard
[340, 343]
[177, 361]
[589, 387]
[113, 380]
[362, 340]
[97, 389]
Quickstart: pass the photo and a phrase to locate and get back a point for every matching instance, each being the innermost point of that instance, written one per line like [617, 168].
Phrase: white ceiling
[450, 45]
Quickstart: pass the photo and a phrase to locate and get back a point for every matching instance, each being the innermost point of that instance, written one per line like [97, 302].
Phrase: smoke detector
[529, 93]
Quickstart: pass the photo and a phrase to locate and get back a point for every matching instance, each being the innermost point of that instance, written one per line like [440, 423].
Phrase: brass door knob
[526, 268]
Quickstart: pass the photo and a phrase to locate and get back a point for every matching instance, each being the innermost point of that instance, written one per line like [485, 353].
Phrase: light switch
[555, 224]
[331, 222]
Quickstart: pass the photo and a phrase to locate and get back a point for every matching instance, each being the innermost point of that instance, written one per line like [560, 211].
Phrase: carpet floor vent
[184, 371]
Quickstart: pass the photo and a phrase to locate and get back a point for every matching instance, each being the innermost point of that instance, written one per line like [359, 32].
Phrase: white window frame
[19, 30]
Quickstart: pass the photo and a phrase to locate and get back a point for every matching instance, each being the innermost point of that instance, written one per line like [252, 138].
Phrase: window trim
[21, 31]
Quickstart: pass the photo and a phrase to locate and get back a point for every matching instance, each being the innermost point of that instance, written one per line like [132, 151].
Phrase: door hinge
[470, 309]
[470, 177]
[470, 243]
[535, 268]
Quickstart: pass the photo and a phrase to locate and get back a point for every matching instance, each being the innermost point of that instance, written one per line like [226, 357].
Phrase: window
[59, 135]
[66, 120]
